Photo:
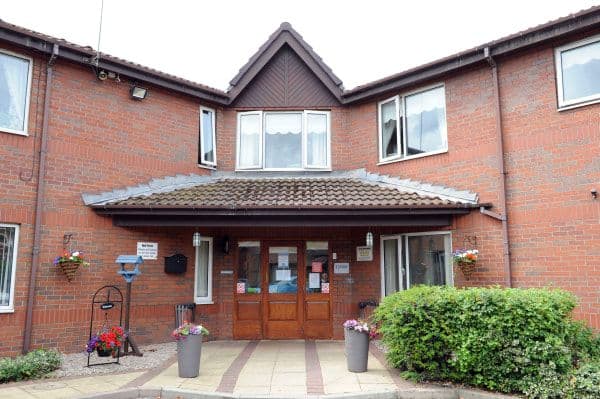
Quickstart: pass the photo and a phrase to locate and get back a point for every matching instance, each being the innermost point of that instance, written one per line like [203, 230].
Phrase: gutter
[501, 170]
[39, 201]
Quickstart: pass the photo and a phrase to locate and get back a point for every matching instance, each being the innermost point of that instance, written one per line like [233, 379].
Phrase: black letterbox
[175, 264]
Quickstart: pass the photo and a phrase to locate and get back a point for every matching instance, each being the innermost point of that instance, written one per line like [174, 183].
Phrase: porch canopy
[348, 198]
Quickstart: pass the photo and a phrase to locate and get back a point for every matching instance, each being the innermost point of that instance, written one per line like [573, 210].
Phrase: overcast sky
[208, 41]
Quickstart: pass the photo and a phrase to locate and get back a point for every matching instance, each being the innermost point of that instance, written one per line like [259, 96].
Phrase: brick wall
[100, 139]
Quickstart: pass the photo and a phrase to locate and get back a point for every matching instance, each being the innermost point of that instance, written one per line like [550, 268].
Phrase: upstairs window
[289, 140]
[207, 154]
[15, 82]
[578, 72]
[412, 125]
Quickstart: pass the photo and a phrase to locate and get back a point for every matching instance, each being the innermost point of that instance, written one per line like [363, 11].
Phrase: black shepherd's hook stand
[106, 298]
[129, 276]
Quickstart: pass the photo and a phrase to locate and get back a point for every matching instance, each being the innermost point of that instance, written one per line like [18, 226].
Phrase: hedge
[32, 365]
[507, 340]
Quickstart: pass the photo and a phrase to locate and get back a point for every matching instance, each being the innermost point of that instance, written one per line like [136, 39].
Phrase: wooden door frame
[300, 245]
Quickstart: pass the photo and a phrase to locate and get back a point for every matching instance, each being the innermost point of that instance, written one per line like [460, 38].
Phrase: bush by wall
[32, 365]
[508, 340]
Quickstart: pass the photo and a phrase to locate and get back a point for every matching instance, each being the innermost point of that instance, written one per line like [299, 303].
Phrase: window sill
[578, 105]
[210, 167]
[285, 170]
[203, 302]
[15, 132]
[7, 311]
[408, 158]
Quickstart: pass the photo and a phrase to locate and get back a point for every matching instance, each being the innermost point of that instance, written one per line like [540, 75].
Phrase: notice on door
[283, 261]
[314, 280]
[147, 250]
[283, 275]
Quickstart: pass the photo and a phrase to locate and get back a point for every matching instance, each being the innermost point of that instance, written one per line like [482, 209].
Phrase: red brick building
[308, 198]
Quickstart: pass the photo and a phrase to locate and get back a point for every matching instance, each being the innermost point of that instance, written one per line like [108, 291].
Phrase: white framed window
[15, 89]
[284, 140]
[415, 258]
[204, 271]
[577, 72]
[208, 142]
[9, 240]
[412, 125]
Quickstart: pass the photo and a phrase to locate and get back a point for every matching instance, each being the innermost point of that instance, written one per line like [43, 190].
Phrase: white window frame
[204, 300]
[261, 158]
[203, 161]
[578, 102]
[25, 131]
[401, 126]
[11, 300]
[403, 244]
[239, 141]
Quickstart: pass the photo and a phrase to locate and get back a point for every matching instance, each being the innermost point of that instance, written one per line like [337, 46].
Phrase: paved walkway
[271, 368]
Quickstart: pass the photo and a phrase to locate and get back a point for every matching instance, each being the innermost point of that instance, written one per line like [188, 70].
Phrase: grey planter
[189, 351]
[357, 350]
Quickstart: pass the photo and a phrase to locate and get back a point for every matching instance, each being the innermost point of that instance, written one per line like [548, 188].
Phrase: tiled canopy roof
[337, 191]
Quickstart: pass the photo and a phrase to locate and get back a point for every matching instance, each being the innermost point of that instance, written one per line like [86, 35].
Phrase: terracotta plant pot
[69, 269]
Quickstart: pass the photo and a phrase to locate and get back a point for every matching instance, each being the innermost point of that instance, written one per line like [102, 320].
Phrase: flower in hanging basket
[69, 263]
[106, 340]
[466, 260]
[187, 329]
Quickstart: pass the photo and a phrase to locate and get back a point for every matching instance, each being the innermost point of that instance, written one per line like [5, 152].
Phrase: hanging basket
[69, 269]
[467, 268]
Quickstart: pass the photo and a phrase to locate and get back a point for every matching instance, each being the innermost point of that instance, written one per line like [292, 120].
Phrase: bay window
[207, 149]
[15, 83]
[413, 259]
[285, 140]
[412, 125]
[9, 238]
[577, 70]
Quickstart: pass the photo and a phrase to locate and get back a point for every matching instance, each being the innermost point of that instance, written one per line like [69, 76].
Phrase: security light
[196, 239]
[138, 93]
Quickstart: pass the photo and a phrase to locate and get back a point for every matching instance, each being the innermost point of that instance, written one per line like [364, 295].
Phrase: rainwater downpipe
[39, 202]
[501, 170]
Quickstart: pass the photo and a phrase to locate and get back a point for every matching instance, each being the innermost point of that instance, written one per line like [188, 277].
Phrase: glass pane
[249, 141]
[426, 121]
[207, 137]
[427, 260]
[391, 266]
[14, 77]
[283, 270]
[316, 131]
[249, 268]
[7, 245]
[581, 71]
[317, 267]
[283, 140]
[202, 274]
[389, 129]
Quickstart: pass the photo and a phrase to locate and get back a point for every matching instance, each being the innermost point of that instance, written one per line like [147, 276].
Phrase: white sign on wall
[341, 268]
[364, 254]
[147, 250]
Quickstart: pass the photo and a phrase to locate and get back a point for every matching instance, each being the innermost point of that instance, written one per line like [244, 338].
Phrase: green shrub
[585, 382]
[32, 365]
[508, 340]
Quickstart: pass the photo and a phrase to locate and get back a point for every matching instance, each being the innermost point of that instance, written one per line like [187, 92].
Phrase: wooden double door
[282, 290]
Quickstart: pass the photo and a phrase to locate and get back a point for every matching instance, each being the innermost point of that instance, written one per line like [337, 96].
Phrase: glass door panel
[283, 270]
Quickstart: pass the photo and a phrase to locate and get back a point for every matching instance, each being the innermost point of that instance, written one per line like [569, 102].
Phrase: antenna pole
[96, 61]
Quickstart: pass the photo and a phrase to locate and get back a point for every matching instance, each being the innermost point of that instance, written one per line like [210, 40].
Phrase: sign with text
[147, 250]
[317, 267]
[341, 268]
[364, 254]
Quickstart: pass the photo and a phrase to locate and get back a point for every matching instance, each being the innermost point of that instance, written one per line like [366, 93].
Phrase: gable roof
[284, 35]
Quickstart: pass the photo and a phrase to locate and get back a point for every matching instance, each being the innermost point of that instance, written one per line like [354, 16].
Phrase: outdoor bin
[189, 350]
[357, 350]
